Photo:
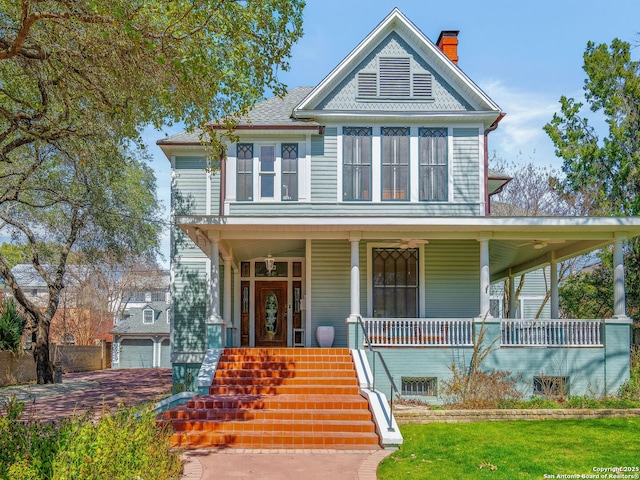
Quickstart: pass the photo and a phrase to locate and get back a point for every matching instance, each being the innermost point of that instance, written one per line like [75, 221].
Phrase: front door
[271, 314]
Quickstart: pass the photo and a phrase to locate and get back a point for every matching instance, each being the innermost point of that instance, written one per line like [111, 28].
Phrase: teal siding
[184, 377]
[189, 192]
[423, 209]
[183, 246]
[330, 288]
[466, 167]
[324, 174]
[452, 278]
[189, 306]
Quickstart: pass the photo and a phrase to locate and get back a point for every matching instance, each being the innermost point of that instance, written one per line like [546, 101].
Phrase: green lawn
[519, 449]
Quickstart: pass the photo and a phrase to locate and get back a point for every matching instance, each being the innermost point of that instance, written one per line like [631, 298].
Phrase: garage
[165, 354]
[136, 353]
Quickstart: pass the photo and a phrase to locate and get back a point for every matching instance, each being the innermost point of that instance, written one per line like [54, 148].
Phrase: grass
[512, 450]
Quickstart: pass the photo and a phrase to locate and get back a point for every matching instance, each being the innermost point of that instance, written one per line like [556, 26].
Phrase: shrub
[630, 390]
[12, 325]
[124, 445]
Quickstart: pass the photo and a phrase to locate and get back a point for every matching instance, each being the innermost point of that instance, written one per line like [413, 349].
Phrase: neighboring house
[366, 198]
[76, 321]
[528, 301]
[141, 339]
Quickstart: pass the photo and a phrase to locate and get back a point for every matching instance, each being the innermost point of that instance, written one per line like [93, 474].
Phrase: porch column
[226, 299]
[554, 287]
[512, 296]
[355, 274]
[485, 278]
[215, 323]
[619, 300]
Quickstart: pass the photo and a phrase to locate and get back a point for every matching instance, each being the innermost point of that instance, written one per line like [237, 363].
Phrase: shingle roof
[272, 112]
[135, 325]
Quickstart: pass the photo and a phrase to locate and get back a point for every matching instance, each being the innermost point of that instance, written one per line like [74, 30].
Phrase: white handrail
[419, 332]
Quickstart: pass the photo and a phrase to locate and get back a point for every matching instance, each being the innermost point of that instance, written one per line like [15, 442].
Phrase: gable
[394, 77]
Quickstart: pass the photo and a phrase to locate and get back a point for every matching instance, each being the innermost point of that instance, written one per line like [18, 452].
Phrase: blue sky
[524, 55]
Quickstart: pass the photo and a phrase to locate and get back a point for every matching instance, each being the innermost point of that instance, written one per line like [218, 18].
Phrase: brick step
[283, 389]
[287, 352]
[277, 440]
[297, 413]
[287, 402]
[308, 374]
[279, 381]
[271, 425]
[275, 365]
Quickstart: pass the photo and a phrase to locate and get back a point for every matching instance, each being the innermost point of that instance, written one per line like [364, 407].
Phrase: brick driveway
[92, 391]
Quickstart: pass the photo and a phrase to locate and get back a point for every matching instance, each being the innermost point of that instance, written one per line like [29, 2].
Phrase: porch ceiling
[516, 244]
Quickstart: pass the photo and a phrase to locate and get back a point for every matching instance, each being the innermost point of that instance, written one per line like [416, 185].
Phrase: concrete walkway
[106, 389]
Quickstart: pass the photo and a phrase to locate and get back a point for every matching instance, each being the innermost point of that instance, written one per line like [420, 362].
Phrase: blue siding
[324, 176]
[466, 165]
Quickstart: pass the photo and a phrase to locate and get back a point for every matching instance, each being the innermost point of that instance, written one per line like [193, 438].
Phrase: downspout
[223, 183]
[494, 125]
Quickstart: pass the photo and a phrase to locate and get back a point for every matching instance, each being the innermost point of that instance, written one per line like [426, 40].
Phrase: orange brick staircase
[278, 398]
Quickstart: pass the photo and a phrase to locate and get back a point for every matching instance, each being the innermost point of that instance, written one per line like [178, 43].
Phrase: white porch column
[485, 277]
[355, 273]
[619, 296]
[226, 299]
[554, 287]
[214, 283]
[512, 296]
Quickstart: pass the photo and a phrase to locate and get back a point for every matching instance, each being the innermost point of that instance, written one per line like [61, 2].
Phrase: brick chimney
[448, 43]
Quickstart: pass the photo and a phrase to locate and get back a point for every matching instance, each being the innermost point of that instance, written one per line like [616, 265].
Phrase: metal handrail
[372, 387]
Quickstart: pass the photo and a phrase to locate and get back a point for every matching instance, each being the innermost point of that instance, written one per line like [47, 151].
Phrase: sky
[523, 55]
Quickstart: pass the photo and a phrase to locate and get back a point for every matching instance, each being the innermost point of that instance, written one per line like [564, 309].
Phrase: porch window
[395, 163]
[289, 171]
[267, 171]
[244, 190]
[433, 164]
[395, 282]
[356, 174]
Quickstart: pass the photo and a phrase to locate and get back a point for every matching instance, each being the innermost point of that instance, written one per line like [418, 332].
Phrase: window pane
[289, 172]
[395, 163]
[395, 286]
[267, 171]
[356, 174]
[244, 190]
[433, 164]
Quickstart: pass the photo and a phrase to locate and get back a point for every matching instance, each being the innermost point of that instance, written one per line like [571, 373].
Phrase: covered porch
[498, 248]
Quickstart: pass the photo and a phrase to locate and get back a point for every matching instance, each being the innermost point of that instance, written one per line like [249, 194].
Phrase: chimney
[448, 43]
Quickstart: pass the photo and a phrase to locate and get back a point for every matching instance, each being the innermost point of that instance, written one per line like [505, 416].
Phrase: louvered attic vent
[394, 79]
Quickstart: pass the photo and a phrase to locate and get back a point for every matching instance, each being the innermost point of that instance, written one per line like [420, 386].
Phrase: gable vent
[395, 77]
[422, 85]
[367, 84]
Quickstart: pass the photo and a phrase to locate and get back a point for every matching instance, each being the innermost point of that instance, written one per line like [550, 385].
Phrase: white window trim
[144, 311]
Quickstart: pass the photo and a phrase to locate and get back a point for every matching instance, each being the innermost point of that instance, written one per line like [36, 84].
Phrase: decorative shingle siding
[189, 307]
[324, 170]
[452, 278]
[345, 95]
[466, 165]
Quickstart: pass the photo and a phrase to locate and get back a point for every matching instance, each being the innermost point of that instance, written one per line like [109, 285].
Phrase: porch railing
[550, 333]
[419, 332]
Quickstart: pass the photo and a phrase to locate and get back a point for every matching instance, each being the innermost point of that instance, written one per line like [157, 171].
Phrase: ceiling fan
[540, 244]
[405, 243]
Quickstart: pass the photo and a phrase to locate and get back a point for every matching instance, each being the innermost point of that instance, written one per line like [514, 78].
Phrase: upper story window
[395, 163]
[395, 79]
[433, 164]
[267, 161]
[289, 171]
[356, 175]
[244, 189]
[147, 315]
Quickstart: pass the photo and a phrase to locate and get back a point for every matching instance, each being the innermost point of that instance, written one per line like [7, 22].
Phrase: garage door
[165, 354]
[136, 353]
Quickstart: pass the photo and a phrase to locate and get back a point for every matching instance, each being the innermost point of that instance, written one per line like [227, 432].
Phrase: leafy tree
[607, 169]
[79, 80]
[12, 325]
[88, 196]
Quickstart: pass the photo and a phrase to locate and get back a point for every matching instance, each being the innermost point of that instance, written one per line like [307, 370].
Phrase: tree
[606, 170]
[89, 196]
[70, 69]
[79, 80]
